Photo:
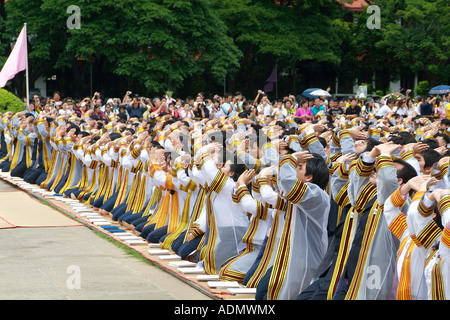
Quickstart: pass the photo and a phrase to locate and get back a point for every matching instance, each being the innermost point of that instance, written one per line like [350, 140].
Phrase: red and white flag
[17, 60]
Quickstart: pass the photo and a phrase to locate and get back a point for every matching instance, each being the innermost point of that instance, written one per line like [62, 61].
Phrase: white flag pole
[28, 85]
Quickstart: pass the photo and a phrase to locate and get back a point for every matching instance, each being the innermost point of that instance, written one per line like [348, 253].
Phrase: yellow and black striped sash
[437, 283]
[281, 262]
[369, 233]
[267, 255]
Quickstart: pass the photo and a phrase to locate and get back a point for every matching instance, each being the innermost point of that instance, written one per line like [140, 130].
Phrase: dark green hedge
[9, 102]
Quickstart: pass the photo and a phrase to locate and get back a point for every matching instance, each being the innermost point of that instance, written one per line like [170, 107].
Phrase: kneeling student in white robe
[302, 179]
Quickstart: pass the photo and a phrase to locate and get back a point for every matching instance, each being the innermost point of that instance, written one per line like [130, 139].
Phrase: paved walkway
[75, 263]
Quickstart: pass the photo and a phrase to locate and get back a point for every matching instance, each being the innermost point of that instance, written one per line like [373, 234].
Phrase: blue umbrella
[307, 92]
[440, 90]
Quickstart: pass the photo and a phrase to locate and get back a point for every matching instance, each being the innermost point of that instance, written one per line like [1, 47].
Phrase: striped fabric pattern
[437, 283]
[446, 236]
[297, 192]
[424, 210]
[369, 233]
[429, 234]
[398, 225]
[282, 258]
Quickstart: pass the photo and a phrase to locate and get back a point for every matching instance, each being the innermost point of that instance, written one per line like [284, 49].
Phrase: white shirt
[265, 109]
[383, 111]
[218, 113]
[401, 111]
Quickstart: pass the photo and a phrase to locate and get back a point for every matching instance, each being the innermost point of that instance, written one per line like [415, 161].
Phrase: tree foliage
[414, 34]
[156, 45]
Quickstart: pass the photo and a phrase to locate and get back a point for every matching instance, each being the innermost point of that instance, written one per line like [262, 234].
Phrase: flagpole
[27, 80]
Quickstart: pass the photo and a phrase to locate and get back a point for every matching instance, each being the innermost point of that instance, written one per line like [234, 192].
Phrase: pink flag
[17, 60]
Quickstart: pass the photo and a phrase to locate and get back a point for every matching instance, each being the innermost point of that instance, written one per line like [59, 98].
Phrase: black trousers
[20, 168]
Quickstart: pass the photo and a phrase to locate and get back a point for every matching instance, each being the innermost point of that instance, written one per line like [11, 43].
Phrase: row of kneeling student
[295, 210]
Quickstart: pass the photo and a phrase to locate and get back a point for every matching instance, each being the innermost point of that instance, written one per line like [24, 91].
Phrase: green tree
[287, 33]
[414, 35]
[3, 44]
[423, 88]
[153, 43]
[420, 36]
